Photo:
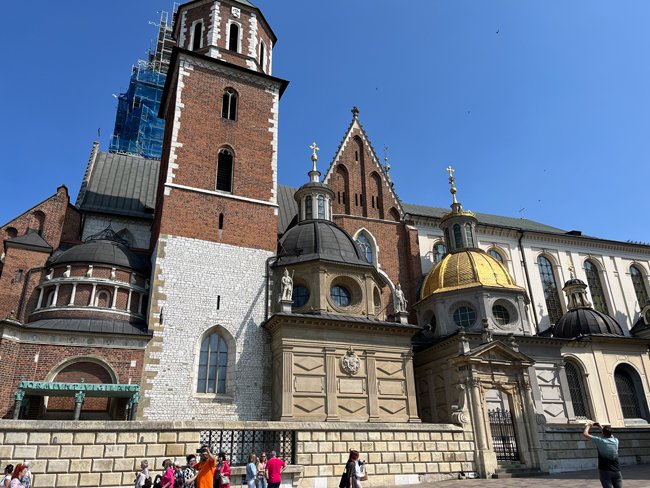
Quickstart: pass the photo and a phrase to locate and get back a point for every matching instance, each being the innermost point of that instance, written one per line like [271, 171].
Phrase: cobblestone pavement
[633, 477]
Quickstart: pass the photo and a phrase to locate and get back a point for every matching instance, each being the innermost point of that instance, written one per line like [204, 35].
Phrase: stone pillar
[486, 460]
[373, 393]
[18, 396]
[287, 384]
[537, 452]
[56, 294]
[409, 379]
[72, 295]
[92, 296]
[40, 298]
[133, 403]
[114, 301]
[128, 301]
[78, 402]
[331, 398]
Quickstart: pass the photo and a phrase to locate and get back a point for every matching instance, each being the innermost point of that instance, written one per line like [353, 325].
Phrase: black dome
[102, 251]
[312, 240]
[585, 321]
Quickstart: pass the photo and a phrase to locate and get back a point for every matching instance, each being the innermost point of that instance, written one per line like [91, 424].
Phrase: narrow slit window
[262, 57]
[308, 208]
[233, 41]
[196, 38]
[224, 170]
[220, 221]
[229, 105]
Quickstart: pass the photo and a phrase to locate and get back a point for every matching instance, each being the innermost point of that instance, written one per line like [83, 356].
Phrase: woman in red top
[222, 473]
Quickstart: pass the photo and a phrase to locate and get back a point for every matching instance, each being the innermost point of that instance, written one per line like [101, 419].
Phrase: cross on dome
[452, 180]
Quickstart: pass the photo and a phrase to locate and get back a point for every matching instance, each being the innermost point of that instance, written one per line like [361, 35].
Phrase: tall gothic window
[458, 237]
[229, 104]
[551, 295]
[196, 38]
[321, 207]
[595, 287]
[308, 208]
[365, 246]
[233, 40]
[577, 390]
[224, 170]
[627, 392]
[639, 286]
[469, 237]
[212, 365]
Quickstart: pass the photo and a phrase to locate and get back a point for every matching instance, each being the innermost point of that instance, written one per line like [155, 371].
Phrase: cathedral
[194, 286]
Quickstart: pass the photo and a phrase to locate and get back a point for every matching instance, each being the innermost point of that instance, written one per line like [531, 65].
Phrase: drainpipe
[530, 290]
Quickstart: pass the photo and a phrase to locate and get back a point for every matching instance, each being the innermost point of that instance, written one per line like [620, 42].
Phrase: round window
[340, 295]
[300, 296]
[501, 314]
[464, 316]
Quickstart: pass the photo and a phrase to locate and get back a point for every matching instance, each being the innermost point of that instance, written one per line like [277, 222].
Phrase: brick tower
[215, 222]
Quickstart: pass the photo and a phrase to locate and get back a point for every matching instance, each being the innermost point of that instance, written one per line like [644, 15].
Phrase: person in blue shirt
[607, 445]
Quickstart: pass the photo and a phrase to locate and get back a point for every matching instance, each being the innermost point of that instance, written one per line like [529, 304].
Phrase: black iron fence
[238, 444]
[503, 435]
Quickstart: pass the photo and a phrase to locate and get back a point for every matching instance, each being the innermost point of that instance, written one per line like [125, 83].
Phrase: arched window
[233, 39]
[439, 251]
[299, 296]
[309, 212]
[196, 37]
[229, 106]
[224, 170]
[103, 299]
[458, 237]
[630, 392]
[213, 361]
[496, 255]
[577, 390]
[321, 207]
[469, 236]
[365, 246]
[639, 286]
[262, 57]
[549, 286]
[595, 287]
[11, 232]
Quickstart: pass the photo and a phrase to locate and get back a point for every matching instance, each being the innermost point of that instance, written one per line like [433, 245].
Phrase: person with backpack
[142, 478]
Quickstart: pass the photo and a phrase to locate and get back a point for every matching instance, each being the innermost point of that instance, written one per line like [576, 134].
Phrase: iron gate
[238, 444]
[503, 435]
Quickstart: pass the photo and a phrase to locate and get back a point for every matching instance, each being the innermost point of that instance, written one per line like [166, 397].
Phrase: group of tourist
[211, 471]
[18, 476]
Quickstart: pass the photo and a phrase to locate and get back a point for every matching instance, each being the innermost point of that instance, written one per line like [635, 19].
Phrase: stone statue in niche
[400, 299]
[350, 363]
[287, 287]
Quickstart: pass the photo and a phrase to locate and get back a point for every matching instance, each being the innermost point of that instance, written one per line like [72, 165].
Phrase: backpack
[156, 482]
[147, 483]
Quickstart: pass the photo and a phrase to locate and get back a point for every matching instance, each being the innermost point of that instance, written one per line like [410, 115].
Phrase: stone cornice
[278, 320]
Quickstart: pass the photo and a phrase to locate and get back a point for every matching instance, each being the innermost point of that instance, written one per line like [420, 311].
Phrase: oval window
[340, 295]
[501, 314]
[464, 316]
[300, 296]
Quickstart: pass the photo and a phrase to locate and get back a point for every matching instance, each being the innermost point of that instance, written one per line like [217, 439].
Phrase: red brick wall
[11, 289]
[17, 360]
[202, 133]
[89, 372]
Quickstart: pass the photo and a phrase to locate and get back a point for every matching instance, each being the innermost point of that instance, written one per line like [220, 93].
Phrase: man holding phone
[607, 445]
[205, 469]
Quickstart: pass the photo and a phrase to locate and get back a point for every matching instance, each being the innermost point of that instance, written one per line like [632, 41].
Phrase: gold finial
[314, 156]
[572, 271]
[452, 180]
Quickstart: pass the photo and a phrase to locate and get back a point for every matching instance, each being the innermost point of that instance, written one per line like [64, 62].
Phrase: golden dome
[467, 269]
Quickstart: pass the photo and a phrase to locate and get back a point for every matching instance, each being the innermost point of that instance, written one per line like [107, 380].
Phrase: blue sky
[539, 105]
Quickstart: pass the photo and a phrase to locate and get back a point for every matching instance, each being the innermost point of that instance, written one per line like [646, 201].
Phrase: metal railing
[238, 444]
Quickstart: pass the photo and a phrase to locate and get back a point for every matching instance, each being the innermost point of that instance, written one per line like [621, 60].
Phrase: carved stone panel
[352, 386]
[309, 384]
[390, 387]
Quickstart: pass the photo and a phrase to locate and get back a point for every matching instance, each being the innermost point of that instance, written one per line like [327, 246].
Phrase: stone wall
[567, 450]
[107, 454]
